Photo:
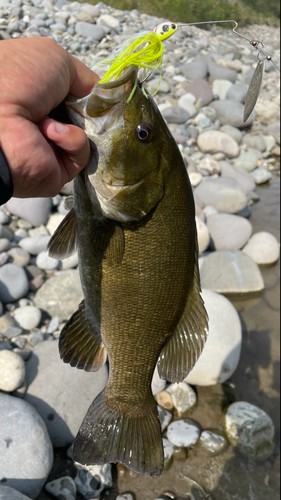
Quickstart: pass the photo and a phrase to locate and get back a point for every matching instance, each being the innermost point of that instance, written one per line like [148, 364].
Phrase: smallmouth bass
[133, 221]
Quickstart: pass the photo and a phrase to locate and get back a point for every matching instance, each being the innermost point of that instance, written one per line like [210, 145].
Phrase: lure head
[165, 30]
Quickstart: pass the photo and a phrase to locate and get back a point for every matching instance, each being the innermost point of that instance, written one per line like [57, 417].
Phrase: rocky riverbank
[202, 93]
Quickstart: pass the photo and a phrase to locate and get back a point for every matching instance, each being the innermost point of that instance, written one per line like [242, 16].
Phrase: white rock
[12, 371]
[110, 21]
[7, 493]
[43, 261]
[221, 88]
[229, 232]
[183, 433]
[63, 488]
[158, 384]
[212, 441]
[13, 283]
[215, 141]
[91, 480]
[54, 222]
[169, 450]
[35, 245]
[209, 210]
[250, 430]
[195, 178]
[183, 396]
[165, 416]
[28, 317]
[263, 248]
[221, 353]
[203, 235]
[186, 102]
[261, 175]
[210, 165]
[69, 263]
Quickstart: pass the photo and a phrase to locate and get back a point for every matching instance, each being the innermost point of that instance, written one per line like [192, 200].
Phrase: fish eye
[144, 133]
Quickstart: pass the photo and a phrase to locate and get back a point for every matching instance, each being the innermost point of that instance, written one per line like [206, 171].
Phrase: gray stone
[231, 272]
[219, 72]
[13, 283]
[91, 480]
[232, 113]
[263, 248]
[201, 89]
[125, 496]
[213, 441]
[5, 321]
[35, 338]
[6, 233]
[28, 317]
[4, 218]
[274, 130]
[18, 257]
[244, 179]
[91, 9]
[89, 30]
[221, 353]
[43, 261]
[237, 93]
[223, 193]
[270, 142]
[158, 384]
[255, 142]
[175, 114]
[196, 69]
[153, 85]
[56, 401]
[261, 175]
[12, 371]
[53, 325]
[184, 433]
[19, 234]
[60, 295]
[4, 257]
[169, 450]
[63, 488]
[203, 235]
[7, 493]
[229, 232]
[34, 210]
[111, 21]
[4, 245]
[35, 245]
[250, 430]
[247, 161]
[233, 132]
[220, 88]
[195, 178]
[25, 447]
[184, 398]
[165, 416]
[217, 142]
[186, 103]
[11, 331]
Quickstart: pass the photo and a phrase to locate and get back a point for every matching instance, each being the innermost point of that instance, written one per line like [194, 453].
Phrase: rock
[223, 193]
[230, 113]
[213, 441]
[203, 235]
[196, 69]
[4, 245]
[18, 257]
[93, 10]
[7, 493]
[165, 400]
[274, 130]
[244, 180]
[153, 85]
[5, 321]
[69, 263]
[111, 21]
[158, 384]
[125, 496]
[68, 187]
[11, 331]
[217, 142]
[175, 114]
[43, 261]
[263, 248]
[255, 142]
[12, 371]
[13, 283]
[54, 222]
[269, 142]
[63, 488]
[184, 398]
[221, 88]
[261, 175]
[219, 72]
[53, 325]
[89, 30]
[210, 165]
[4, 218]
[247, 161]
[169, 450]
[25, 447]
[184, 433]
[195, 178]
[60, 295]
[56, 401]
[165, 416]
[4, 257]
[34, 210]
[237, 93]
[201, 89]
[93, 479]
[250, 430]
[221, 353]
[185, 102]
[231, 272]
[6, 233]
[28, 317]
[229, 232]
[267, 111]
[233, 132]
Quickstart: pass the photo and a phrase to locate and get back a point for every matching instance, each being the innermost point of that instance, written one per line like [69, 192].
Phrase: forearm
[6, 183]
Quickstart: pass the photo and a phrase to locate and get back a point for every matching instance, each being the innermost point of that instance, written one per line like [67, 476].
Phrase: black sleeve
[6, 182]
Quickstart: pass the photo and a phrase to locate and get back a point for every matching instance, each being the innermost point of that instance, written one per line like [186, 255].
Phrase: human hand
[36, 75]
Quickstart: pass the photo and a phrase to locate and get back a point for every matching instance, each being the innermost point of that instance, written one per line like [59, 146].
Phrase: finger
[84, 79]
[71, 140]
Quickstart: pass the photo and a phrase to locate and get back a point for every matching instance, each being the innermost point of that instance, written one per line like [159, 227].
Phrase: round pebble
[263, 248]
[12, 371]
[184, 398]
[202, 234]
[63, 488]
[13, 283]
[35, 245]
[28, 317]
[213, 441]
[18, 257]
[184, 433]
[43, 261]
[217, 142]
[229, 231]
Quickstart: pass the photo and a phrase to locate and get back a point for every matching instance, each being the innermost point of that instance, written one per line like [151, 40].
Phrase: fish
[132, 219]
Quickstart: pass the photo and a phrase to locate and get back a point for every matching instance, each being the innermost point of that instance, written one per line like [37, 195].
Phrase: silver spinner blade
[254, 90]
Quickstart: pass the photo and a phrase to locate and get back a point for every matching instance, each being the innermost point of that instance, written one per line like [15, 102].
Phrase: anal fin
[186, 344]
[80, 345]
[64, 241]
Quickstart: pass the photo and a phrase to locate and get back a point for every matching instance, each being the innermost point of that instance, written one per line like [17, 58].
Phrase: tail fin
[110, 436]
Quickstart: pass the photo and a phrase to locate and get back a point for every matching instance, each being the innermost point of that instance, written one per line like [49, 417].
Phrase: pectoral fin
[80, 345]
[183, 349]
[63, 243]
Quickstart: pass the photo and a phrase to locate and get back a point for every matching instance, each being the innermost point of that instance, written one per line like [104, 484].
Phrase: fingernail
[61, 128]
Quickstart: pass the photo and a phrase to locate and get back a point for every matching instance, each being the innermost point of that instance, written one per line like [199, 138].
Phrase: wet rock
[229, 232]
[213, 441]
[93, 479]
[263, 248]
[244, 180]
[201, 89]
[217, 142]
[28, 317]
[34, 210]
[221, 88]
[7, 493]
[223, 193]
[63, 488]
[203, 235]
[221, 353]
[237, 93]
[60, 295]
[165, 416]
[184, 398]
[13, 283]
[261, 175]
[25, 447]
[12, 371]
[184, 433]
[56, 401]
[250, 430]
[219, 72]
[231, 272]
[232, 113]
